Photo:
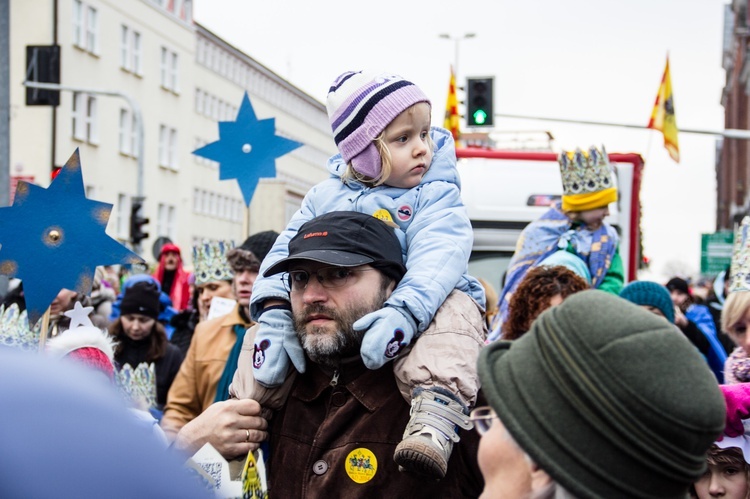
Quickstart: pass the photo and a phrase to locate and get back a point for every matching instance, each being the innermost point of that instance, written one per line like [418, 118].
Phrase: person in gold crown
[572, 232]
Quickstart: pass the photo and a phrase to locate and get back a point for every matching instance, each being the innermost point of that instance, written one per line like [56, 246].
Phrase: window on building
[92, 30]
[92, 129]
[130, 50]
[134, 137]
[78, 23]
[173, 73]
[163, 145]
[161, 220]
[124, 136]
[200, 51]
[171, 222]
[169, 70]
[84, 123]
[168, 147]
[128, 134]
[122, 223]
[200, 99]
[206, 202]
[137, 54]
[125, 56]
[164, 67]
[173, 151]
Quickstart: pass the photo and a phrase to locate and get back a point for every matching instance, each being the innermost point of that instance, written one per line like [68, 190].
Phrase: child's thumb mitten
[387, 332]
[276, 348]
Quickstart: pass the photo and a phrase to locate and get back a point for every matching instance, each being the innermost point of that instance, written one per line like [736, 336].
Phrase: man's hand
[234, 427]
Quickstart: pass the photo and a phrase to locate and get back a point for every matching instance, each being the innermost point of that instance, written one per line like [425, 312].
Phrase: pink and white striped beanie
[361, 105]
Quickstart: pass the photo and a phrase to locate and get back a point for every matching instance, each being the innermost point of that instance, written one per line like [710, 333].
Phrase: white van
[505, 190]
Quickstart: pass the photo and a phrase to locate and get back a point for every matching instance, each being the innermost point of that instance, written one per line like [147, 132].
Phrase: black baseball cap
[344, 239]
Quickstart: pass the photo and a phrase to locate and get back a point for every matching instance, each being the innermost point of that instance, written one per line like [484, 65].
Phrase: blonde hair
[386, 162]
[735, 307]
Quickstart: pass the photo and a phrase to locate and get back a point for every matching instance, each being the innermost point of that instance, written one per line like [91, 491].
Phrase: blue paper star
[247, 149]
[54, 238]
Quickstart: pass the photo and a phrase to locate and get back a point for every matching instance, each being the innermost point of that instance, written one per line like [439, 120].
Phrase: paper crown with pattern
[138, 385]
[15, 331]
[585, 171]
[740, 268]
[210, 261]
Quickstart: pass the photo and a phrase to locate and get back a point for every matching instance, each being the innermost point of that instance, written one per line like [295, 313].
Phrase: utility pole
[4, 103]
[4, 115]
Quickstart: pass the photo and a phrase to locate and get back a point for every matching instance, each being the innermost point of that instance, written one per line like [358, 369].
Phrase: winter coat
[434, 230]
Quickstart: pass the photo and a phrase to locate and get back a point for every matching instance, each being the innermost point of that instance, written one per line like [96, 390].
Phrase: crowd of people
[356, 350]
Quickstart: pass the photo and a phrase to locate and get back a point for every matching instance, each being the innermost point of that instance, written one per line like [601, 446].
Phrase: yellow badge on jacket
[361, 465]
[385, 216]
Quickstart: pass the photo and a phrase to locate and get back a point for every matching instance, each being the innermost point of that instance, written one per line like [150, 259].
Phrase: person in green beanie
[600, 399]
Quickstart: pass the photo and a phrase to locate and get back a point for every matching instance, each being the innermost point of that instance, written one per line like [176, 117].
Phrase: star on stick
[79, 316]
[54, 238]
[247, 149]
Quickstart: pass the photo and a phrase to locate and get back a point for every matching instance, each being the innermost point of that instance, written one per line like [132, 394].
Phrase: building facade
[732, 168]
[183, 79]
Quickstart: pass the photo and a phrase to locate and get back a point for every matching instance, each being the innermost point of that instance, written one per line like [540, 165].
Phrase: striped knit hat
[360, 106]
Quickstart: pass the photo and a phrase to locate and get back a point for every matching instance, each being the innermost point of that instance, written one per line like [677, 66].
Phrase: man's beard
[327, 347]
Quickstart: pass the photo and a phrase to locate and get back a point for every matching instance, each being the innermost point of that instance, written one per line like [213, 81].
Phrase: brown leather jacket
[338, 441]
[194, 387]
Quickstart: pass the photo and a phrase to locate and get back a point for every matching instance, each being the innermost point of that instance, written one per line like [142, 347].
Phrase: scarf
[222, 389]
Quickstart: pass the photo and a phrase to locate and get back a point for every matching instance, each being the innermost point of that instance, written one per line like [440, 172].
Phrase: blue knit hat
[650, 293]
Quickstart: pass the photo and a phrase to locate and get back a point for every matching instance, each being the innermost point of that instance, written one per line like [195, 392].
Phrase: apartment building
[118, 57]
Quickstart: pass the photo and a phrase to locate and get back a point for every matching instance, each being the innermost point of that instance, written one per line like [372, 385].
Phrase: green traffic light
[480, 117]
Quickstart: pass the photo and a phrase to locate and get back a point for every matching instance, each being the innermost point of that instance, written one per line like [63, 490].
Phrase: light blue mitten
[276, 347]
[388, 331]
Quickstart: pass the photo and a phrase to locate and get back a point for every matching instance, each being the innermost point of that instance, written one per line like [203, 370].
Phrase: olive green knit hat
[607, 398]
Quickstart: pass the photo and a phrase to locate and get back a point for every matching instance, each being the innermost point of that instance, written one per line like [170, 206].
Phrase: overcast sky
[574, 59]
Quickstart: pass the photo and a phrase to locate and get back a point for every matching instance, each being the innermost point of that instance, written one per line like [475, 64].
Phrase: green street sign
[716, 252]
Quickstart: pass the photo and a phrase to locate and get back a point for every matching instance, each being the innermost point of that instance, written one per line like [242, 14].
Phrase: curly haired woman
[541, 288]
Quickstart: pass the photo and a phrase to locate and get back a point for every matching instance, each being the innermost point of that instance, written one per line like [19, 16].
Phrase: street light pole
[456, 41]
[135, 109]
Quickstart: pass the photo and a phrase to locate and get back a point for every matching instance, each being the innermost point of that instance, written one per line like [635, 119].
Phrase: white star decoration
[79, 316]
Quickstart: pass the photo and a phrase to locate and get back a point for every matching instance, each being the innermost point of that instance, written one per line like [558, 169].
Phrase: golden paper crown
[585, 172]
[740, 269]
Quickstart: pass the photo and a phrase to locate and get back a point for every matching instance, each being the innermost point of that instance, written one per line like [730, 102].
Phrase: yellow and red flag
[451, 122]
[663, 117]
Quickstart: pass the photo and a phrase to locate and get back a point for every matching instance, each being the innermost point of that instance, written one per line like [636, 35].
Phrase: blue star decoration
[54, 238]
[247, 149]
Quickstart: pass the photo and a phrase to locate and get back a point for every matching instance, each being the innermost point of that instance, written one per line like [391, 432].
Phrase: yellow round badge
[383, 215]
[361, 465]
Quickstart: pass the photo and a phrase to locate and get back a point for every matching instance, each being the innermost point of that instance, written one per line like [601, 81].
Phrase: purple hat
[360, 106]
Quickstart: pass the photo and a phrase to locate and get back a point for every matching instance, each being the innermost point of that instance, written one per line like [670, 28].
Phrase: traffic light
[43, 66]
[136, 223]
[479, 110]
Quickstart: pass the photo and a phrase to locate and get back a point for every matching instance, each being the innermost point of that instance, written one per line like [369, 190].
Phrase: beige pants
[445, 355]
